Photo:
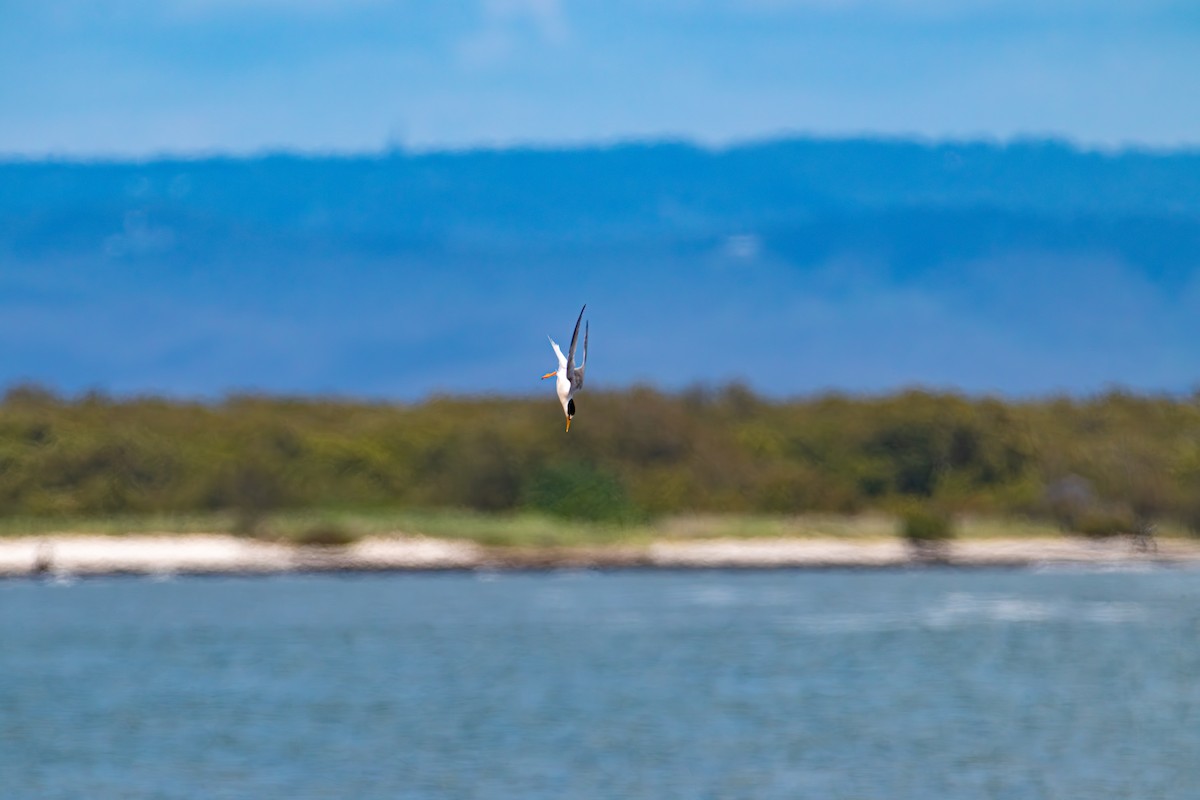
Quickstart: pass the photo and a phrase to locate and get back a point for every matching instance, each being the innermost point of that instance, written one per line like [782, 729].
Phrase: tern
[570, 377]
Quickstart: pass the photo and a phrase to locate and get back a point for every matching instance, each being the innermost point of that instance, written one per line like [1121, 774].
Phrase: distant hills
[795, 266]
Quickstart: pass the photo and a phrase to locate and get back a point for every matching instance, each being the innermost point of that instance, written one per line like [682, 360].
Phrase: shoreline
[77, 555]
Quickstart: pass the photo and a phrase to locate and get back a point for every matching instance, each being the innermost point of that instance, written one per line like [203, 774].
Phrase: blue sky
[144, 77]
[141, 78]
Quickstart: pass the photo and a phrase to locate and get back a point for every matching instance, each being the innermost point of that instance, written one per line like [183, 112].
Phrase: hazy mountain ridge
[597, 196]
[866, 264]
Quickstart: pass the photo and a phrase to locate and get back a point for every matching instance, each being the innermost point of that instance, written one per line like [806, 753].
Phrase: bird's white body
[562, 384]
[568, 377]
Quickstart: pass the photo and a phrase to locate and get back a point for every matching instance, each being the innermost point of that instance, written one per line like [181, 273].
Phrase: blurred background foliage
[1107, 464]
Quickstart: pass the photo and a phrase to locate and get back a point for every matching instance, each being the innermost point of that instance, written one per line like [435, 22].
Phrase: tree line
[1111, 463]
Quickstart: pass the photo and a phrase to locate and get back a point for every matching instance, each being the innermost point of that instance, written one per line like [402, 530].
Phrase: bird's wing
[562, 360]
[577, 375]
[574, 340]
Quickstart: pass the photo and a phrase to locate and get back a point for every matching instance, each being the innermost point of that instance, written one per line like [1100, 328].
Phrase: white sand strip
[1117, 550]
[978, 552]
[216, 553]
[165, 553]
[415, 552]
[778, 553]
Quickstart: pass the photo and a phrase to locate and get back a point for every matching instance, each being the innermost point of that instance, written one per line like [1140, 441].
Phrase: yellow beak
[568, 424]
[549, 375]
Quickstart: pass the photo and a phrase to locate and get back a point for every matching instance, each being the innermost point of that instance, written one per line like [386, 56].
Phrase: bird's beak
[568, 424]
[549, 375]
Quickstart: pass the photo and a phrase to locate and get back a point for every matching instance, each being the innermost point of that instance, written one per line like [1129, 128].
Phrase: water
[791, 684]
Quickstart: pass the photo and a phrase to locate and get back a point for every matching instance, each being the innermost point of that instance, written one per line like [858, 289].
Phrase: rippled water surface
[790, 684]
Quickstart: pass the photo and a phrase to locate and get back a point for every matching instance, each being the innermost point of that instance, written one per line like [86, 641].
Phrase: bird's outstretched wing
[577, 373]
[574, 341]
[562, 360]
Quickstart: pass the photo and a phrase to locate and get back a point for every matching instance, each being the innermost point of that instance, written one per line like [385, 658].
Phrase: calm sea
[790, 684]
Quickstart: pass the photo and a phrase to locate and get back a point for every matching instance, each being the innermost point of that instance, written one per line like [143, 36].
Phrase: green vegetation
[927, 528]
[325, 535]
[924, 525]
[636, 463]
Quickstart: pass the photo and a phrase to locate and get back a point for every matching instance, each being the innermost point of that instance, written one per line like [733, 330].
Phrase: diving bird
[570, 377]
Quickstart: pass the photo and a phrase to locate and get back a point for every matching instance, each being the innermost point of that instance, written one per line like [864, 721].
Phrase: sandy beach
[166, 554]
